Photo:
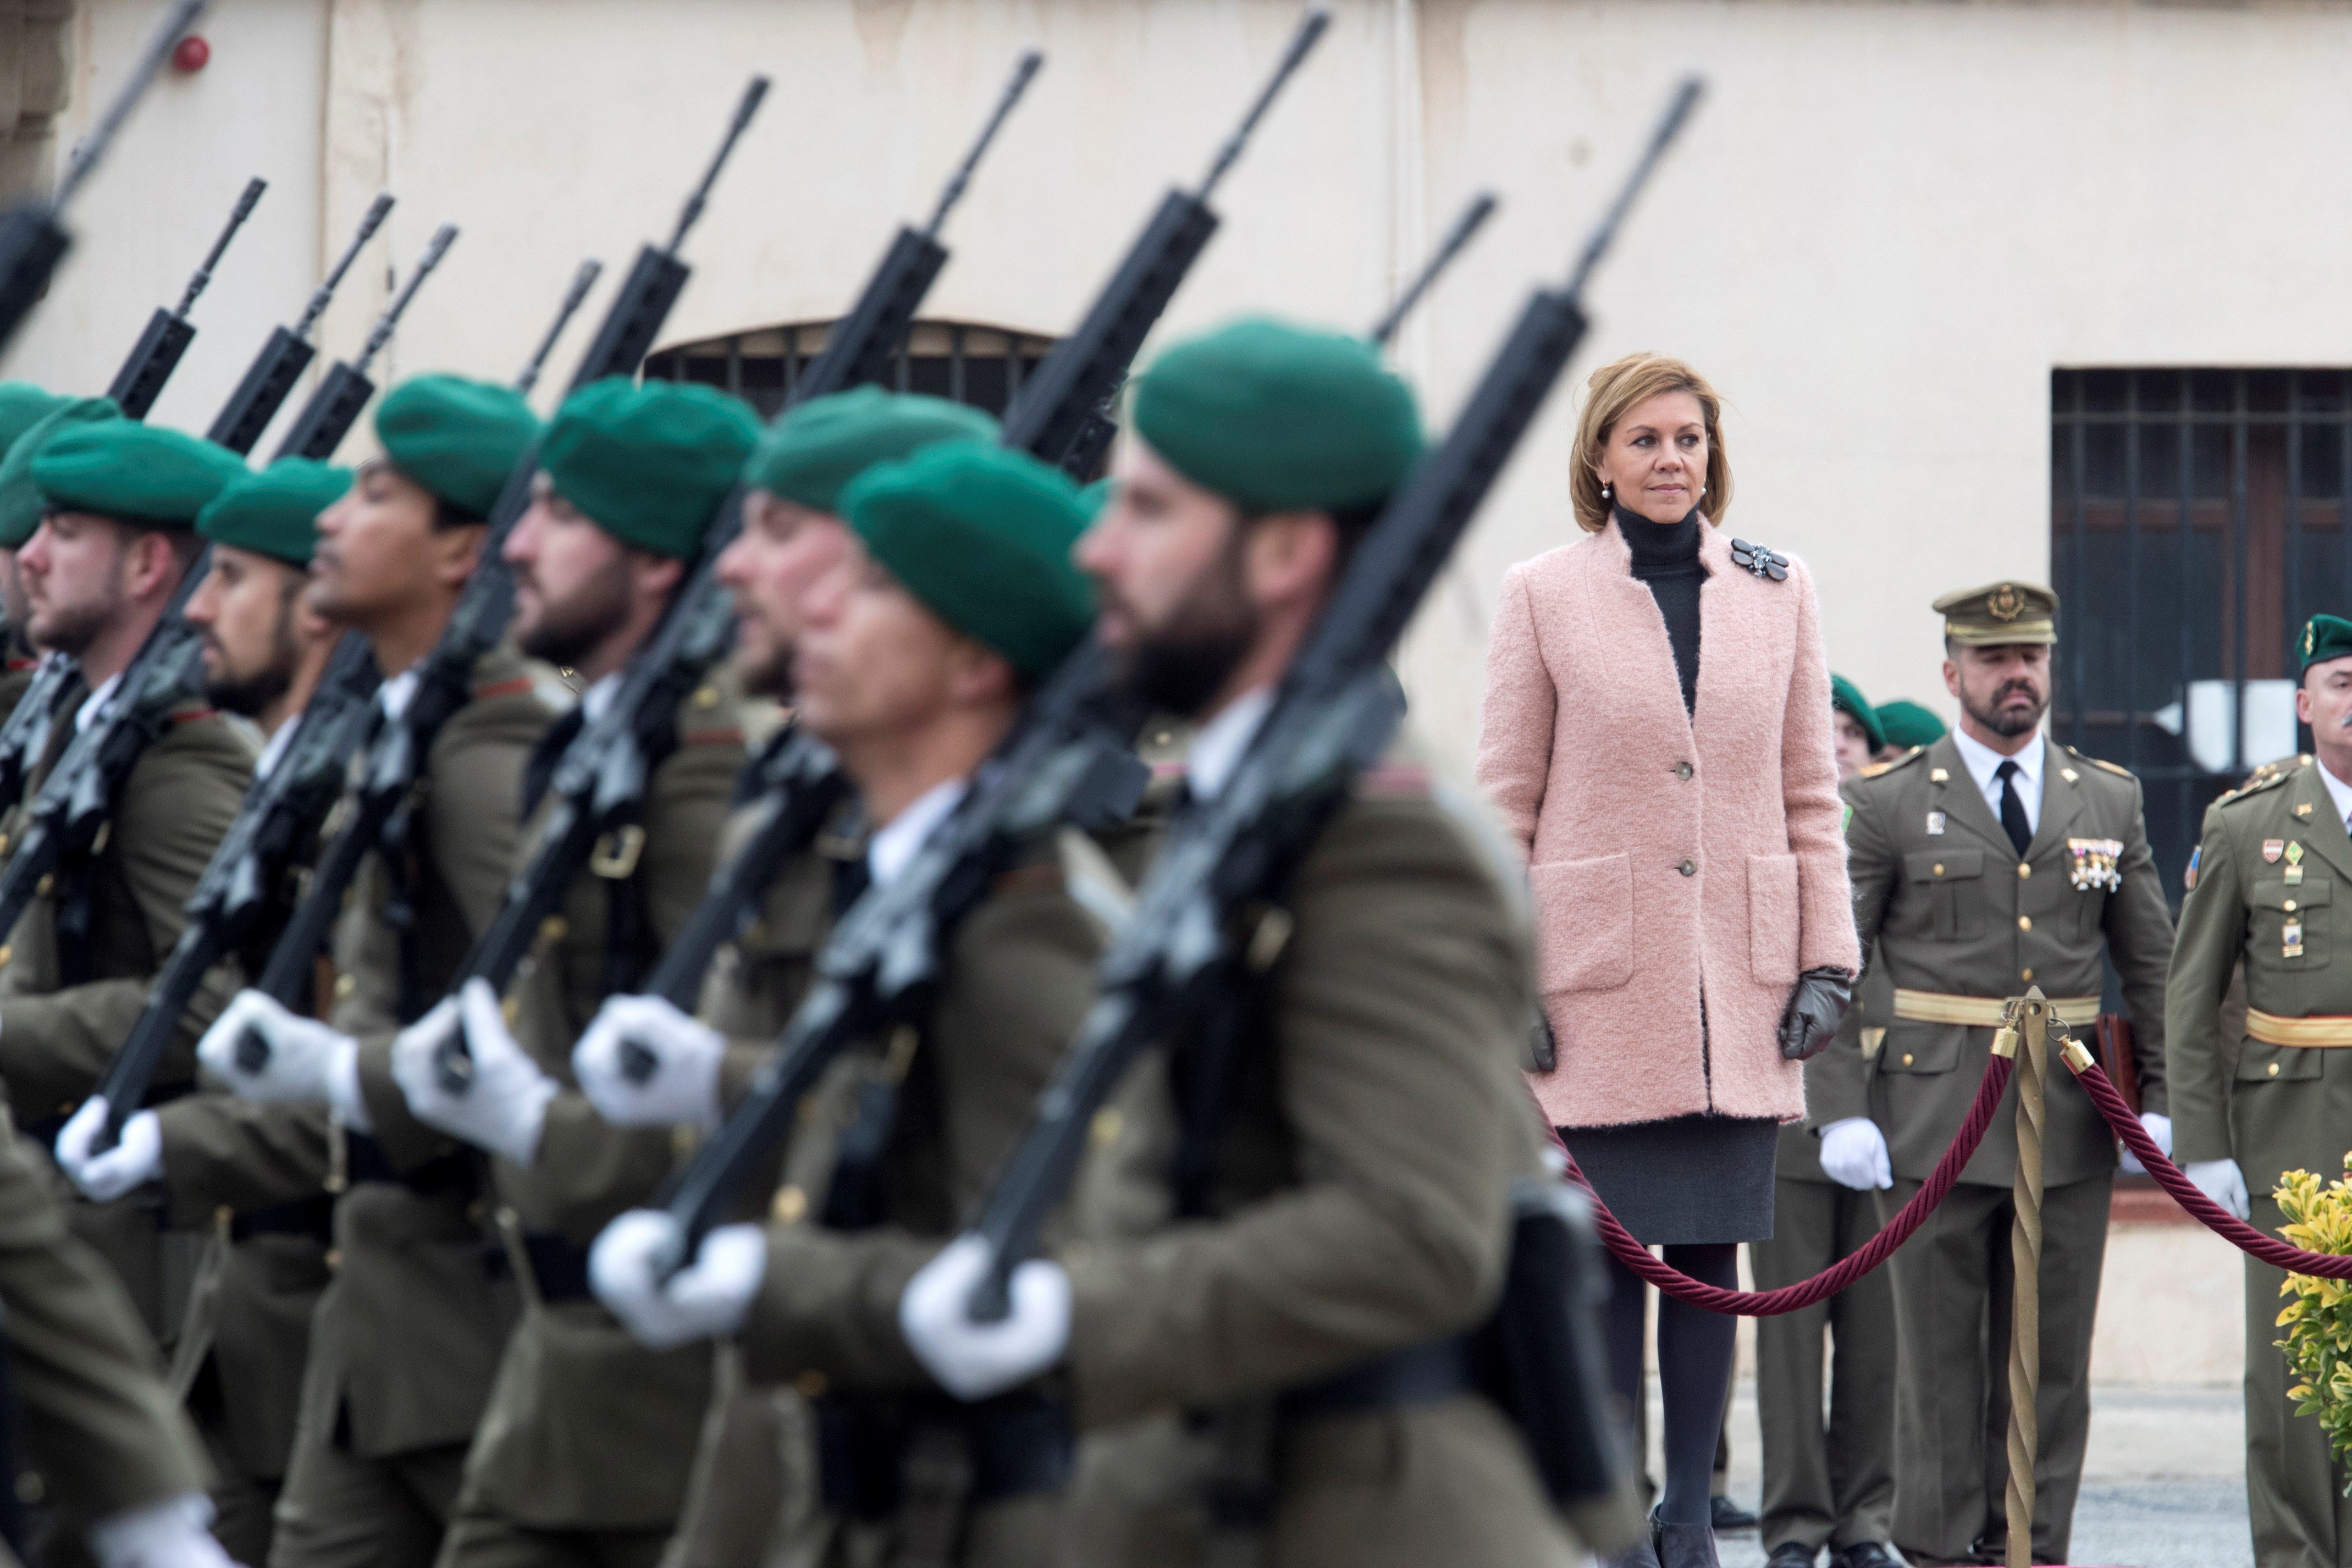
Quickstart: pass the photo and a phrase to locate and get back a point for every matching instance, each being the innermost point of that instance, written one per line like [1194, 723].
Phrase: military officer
[913, 656]
[406, 1336]
[1828, 1484]
[1377, 1123]
[1989, 862]
[631, 480]
[2267, 865]
[241, 1345]
[744, 1493]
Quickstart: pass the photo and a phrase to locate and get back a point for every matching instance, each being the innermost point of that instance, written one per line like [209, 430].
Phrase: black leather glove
[1541, 1050]
[1814, 1008]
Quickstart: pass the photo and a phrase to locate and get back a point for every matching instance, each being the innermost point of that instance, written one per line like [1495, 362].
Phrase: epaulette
[514, 688]
[2256, 785]
[1878, 770]
[2100, 762]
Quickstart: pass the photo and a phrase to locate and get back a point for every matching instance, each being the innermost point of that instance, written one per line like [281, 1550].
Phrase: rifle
[1333, 717]
[157, 353]
[1062, 412]
[346, 389]
[1473, 218]
[444, 682]
[599, 785]
[581, 281]
[278, 821]
[32, 240]
[270, 378]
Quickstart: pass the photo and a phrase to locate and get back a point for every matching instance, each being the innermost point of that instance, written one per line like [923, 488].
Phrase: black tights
[1695, 1354]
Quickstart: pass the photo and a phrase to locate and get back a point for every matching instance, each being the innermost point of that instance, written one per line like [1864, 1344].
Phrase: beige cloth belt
[1984, 1012]
[2272, 1030]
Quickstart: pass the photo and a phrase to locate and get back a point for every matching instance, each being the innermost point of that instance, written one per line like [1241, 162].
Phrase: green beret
[21, 407]
[1910, 723]
[139, 473]
[812, 453]
[649, 464]
[2325, 638]
[1277, 417]
[458, 438]
[20, 499]
[275, 511]
[1095, 497]
[982, 536]
[1846, 698]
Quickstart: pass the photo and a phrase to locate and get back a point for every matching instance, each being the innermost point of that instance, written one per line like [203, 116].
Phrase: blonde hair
[1613, 391]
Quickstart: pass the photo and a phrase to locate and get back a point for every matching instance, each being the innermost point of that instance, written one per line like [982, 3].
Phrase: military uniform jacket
[1360, 1206]
[56, 1040]
[16, 679]
[1954, 911]
[2289, 1107]
[584, 1427]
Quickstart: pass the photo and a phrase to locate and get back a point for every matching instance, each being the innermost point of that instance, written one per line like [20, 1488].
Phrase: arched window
[963, 360]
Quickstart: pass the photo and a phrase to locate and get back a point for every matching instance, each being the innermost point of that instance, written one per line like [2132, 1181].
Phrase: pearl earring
[1604, 492]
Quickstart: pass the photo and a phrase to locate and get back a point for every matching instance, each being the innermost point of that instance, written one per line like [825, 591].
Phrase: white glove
[1854, 1154]
[168, 1534]
[136, 1159]
[683, 1053]
[2159, 1127]
[708, 1298]
[303, 1058]
[2221, 1181]
[504, 1105]
[973, 1360]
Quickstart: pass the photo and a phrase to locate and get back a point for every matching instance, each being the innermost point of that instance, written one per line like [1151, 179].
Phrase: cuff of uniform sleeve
[1114, 1352]
[405, 1141]
[828, 1305]
[2193, 1142]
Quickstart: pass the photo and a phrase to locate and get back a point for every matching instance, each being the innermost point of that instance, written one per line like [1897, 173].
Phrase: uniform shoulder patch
[2256, 785]
[1880, 770]
[2101, 763]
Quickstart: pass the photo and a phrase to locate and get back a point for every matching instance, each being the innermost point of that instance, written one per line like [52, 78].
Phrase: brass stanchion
[2029, 1024]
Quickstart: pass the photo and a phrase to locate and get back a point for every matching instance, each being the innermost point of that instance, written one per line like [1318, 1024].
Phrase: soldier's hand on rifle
[2221, 1181]
[1854, 1152]
[171, 1533]
[709, 1297]
[643, 1063]
[263, 1052]
[136, 1159]
[973, 1360]
[504, 1106]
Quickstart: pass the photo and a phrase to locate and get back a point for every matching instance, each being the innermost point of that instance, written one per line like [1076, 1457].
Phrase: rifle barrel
[749, 105]
[581, 281]
[1473, 218]
[175, 21]
[1024, 72]
[443, 238]
[369, 223]
[237, 215]
[1310, 29]
[1670, 125]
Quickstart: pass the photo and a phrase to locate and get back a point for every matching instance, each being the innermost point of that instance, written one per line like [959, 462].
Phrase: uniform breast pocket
[2259, 1063]
[1912, 1047]
[2287, 925]
[1952, 883]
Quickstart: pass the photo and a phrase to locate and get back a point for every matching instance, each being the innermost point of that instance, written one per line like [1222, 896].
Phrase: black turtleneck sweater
[1665, 556]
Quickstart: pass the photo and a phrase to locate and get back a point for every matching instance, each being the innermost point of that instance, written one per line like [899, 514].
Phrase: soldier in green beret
[2262, 896]
[1859, 738]
[21, 407]
[406, 1336]
[1906, 724]
[793, 536]
[913, 658]
[1279, 1321]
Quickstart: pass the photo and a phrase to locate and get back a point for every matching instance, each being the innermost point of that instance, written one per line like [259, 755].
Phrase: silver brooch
[1757, 559]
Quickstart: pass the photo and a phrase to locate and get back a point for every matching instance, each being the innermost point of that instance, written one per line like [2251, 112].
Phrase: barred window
[965, 362]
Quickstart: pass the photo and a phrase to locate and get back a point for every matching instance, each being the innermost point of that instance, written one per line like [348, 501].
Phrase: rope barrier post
[2028, 1025]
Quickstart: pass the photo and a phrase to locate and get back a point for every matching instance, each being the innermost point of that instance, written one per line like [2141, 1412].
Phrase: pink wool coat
[1669, 855]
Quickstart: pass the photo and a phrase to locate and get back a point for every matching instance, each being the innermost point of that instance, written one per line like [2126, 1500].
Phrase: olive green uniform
[406, 1336]
[586, 1440]
[16, 679]
[1357, 1209]
[1826, 1484]
[2267, 870]
[1956, 913]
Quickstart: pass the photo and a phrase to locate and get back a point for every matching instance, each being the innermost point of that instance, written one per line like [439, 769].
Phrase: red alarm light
[191, 54]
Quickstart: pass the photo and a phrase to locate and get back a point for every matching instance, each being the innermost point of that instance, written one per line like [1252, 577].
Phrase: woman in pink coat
[1657, 735]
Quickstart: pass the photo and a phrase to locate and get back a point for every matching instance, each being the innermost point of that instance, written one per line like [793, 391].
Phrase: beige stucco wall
[1889, 224]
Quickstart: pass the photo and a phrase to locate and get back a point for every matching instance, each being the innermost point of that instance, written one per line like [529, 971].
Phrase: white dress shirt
[95, 703]
[1984, 766]
[274, 751]
[1219, 745]
[893, 844]
[2337, 791]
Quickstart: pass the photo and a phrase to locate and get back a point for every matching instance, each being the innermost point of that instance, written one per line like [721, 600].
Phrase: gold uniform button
[2025, 922]
[2023, 870]
[334, 1257]
[41, 888]
[2290, 906]
[1906, 1058]
[790, 1204]
[2026, 975]
[345, 984]
[1939, 867]
[2274, 1070]
[1688, 869]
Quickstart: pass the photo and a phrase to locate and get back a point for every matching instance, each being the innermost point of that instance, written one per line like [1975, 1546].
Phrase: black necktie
[2012, 809]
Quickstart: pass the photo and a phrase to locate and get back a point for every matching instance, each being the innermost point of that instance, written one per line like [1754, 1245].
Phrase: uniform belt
[559, 1270]
[1419, 1375]
[365, 1160]
[312, 1216]
[1981, 1012]
[2311, 1032]
[1019, 1444]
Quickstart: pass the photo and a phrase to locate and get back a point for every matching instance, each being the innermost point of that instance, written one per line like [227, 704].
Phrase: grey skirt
[1690, 1180]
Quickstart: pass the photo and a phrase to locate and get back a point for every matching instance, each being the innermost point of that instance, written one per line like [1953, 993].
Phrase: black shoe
[1792, 1554]
[1684, 1546]
[1643, 1554]
[1864, 1554]
[1728, 1517]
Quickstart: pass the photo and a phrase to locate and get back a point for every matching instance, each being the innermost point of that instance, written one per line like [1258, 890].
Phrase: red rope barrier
[1846, 1270]
[2172, 1179]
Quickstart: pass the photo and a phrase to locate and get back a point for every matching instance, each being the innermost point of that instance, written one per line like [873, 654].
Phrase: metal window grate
[2197, 517]
[963, 361]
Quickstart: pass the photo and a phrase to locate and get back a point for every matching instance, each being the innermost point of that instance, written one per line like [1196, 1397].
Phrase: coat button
[1906, 1058]
[2025, 974]
[2025, 922]
[1939, 869]
[2023, 870]
[2289, 905]
[1688, 869]
[1681, 770]
[2274, 1070]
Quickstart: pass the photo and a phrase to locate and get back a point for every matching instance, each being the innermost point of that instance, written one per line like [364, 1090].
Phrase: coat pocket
[1584, 922]
[1772, 917]
[1913, 1047]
